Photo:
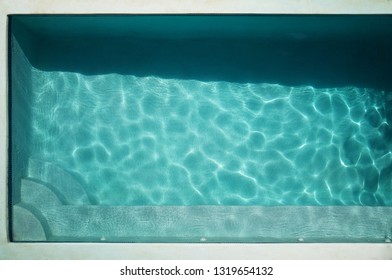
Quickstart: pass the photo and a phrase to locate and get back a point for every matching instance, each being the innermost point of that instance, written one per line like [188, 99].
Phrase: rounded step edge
[26, 226]
[40, 194]
[63, 181]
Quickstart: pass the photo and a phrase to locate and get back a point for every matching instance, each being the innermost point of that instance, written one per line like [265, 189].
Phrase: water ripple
[153, 141]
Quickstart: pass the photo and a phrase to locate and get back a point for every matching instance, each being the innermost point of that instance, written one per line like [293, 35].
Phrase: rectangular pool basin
[200, 128]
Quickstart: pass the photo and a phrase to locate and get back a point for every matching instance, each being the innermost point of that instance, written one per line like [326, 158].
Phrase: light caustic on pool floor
[154, 141]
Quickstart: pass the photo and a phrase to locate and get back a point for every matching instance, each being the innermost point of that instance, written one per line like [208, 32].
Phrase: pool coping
[9, 250]
[187, 251]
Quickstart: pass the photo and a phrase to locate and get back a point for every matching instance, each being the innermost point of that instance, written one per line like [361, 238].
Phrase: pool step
[51, 210]
[220, 223]
[64, 182]
[214, 224]
[26, 226]
[40, 194]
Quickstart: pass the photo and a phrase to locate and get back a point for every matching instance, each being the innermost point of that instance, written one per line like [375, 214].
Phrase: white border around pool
[9, 250]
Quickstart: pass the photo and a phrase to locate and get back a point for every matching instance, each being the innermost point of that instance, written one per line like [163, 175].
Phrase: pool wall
[21, 88]
[9, 250]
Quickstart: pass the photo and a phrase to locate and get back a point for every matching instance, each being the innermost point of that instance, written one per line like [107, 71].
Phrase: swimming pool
[218, 129]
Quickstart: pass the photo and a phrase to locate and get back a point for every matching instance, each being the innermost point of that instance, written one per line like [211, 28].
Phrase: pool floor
[153, 141]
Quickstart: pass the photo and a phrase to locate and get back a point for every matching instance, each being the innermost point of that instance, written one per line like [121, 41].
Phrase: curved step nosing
[38, 170]
[40, 219]
[50, 188]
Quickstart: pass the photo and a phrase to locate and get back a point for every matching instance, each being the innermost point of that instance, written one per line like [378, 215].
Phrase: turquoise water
[144, 111]
[200, 128]
[153, 141]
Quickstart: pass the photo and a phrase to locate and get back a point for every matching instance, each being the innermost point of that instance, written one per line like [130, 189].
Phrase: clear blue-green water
[200, 128]
[154, 141]
[268, 113]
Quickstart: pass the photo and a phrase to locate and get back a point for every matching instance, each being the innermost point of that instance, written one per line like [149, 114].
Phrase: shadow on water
[287, 62]
[322, 51]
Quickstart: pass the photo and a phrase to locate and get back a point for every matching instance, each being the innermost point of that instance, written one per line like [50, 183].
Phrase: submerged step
[64, 182]
[26, 226]
[39, 194]
[219, 223]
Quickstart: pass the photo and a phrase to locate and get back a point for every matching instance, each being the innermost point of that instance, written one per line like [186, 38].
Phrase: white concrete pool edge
[10, 250]
[160, 251]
